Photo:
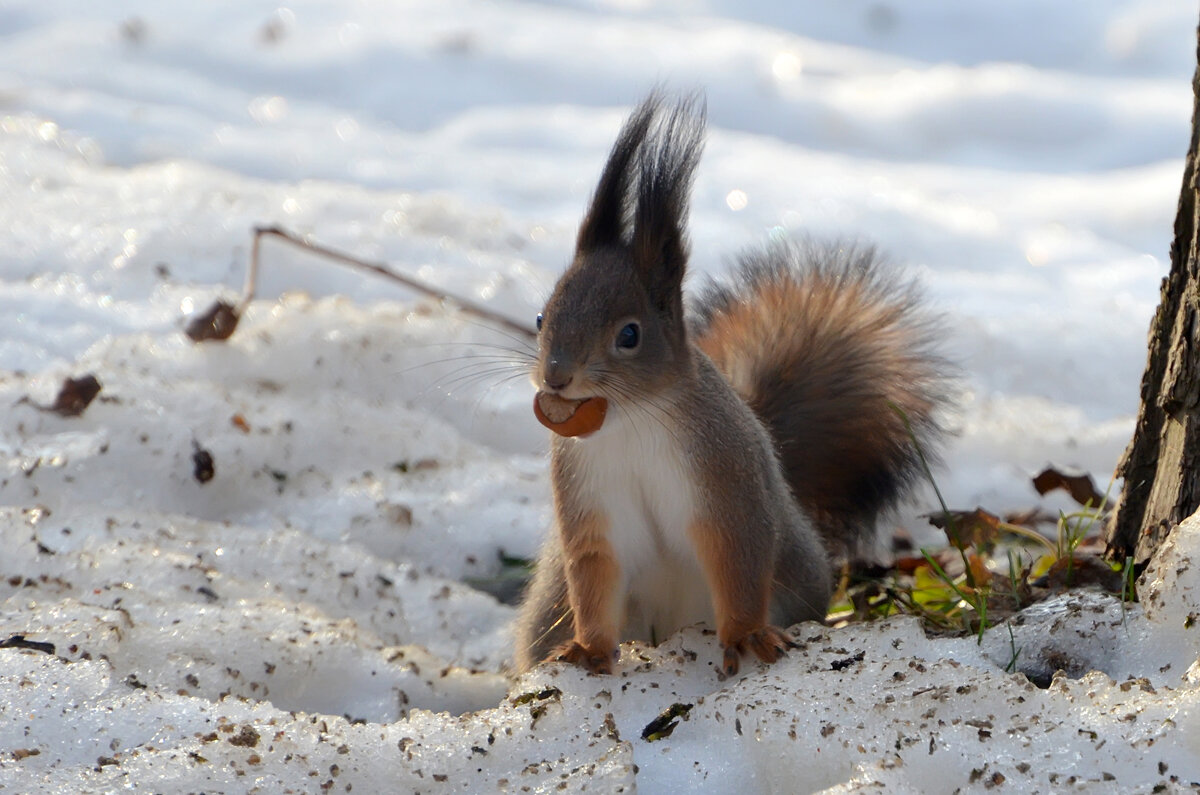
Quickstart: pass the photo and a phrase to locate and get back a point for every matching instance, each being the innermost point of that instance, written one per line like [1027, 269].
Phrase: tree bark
[1161, 466]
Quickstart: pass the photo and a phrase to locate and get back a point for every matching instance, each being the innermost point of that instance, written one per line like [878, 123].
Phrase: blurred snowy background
[1023, 159]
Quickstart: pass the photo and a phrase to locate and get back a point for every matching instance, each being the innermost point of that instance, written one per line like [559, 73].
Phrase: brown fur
[833, 356]
[741, 596]
[591, 582]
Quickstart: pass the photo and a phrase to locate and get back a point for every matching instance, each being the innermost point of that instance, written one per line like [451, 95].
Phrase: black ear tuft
[666, 165]
[604, 224]
[657, 149]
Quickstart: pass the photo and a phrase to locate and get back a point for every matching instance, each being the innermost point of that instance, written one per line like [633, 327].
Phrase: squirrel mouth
[569, 417]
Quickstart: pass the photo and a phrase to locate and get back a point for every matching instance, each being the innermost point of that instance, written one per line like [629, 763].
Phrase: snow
[308, 615]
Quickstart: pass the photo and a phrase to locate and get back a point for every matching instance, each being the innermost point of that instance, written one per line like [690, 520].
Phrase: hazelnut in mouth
[570, 417]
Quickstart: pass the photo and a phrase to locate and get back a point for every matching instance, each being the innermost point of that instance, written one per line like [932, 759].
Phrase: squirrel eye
[539, 321]
[629, 336]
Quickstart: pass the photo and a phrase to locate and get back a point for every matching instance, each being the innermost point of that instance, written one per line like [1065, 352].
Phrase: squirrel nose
[556, 375]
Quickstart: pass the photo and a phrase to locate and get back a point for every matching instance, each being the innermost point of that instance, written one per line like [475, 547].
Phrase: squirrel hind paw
[594, 660]
[768, 644]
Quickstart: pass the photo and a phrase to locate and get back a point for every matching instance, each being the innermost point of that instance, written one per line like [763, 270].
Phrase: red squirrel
[739, 444]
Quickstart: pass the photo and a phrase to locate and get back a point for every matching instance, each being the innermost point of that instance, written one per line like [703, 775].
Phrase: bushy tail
[832, 353]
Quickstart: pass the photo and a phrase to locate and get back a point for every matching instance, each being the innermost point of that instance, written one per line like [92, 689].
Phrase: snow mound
[126, 700]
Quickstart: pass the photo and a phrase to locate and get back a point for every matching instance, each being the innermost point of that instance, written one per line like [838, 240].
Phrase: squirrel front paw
[598, 661]
[767, 643]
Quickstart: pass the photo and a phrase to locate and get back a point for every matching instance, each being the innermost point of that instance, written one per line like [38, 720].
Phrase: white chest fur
[635, 472]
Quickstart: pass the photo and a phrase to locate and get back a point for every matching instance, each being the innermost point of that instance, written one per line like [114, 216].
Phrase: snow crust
[133, 703]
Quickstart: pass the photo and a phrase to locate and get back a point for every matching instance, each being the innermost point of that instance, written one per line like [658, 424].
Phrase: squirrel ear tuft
[667, 164]
[604, 224]
[646, 185]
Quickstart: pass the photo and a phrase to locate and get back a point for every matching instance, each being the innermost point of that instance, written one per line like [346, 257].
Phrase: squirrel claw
[576, 653]
[768, 644]
[731, 662]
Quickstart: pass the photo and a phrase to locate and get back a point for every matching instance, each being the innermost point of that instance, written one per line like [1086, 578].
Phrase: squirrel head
[614, 324]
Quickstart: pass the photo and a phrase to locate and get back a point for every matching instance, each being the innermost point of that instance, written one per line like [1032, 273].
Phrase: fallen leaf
[930, 590]
[981, 576]
[967, 529]
[217, 323]
[1040, 566]
[1080, 486]
[74, 396]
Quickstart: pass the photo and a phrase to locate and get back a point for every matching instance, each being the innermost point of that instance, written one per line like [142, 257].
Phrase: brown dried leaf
[74, 396]
[1079, 486]
[981, 576]
[966, 529]
[218, 322]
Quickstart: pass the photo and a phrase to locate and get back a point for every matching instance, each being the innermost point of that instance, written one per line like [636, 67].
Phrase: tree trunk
[1161, 466]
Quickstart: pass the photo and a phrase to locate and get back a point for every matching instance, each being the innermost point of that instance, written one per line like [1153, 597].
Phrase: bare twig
[379, 269]
[221, 319]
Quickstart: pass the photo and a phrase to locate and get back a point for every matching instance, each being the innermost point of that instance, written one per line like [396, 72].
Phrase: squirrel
[741, 445]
